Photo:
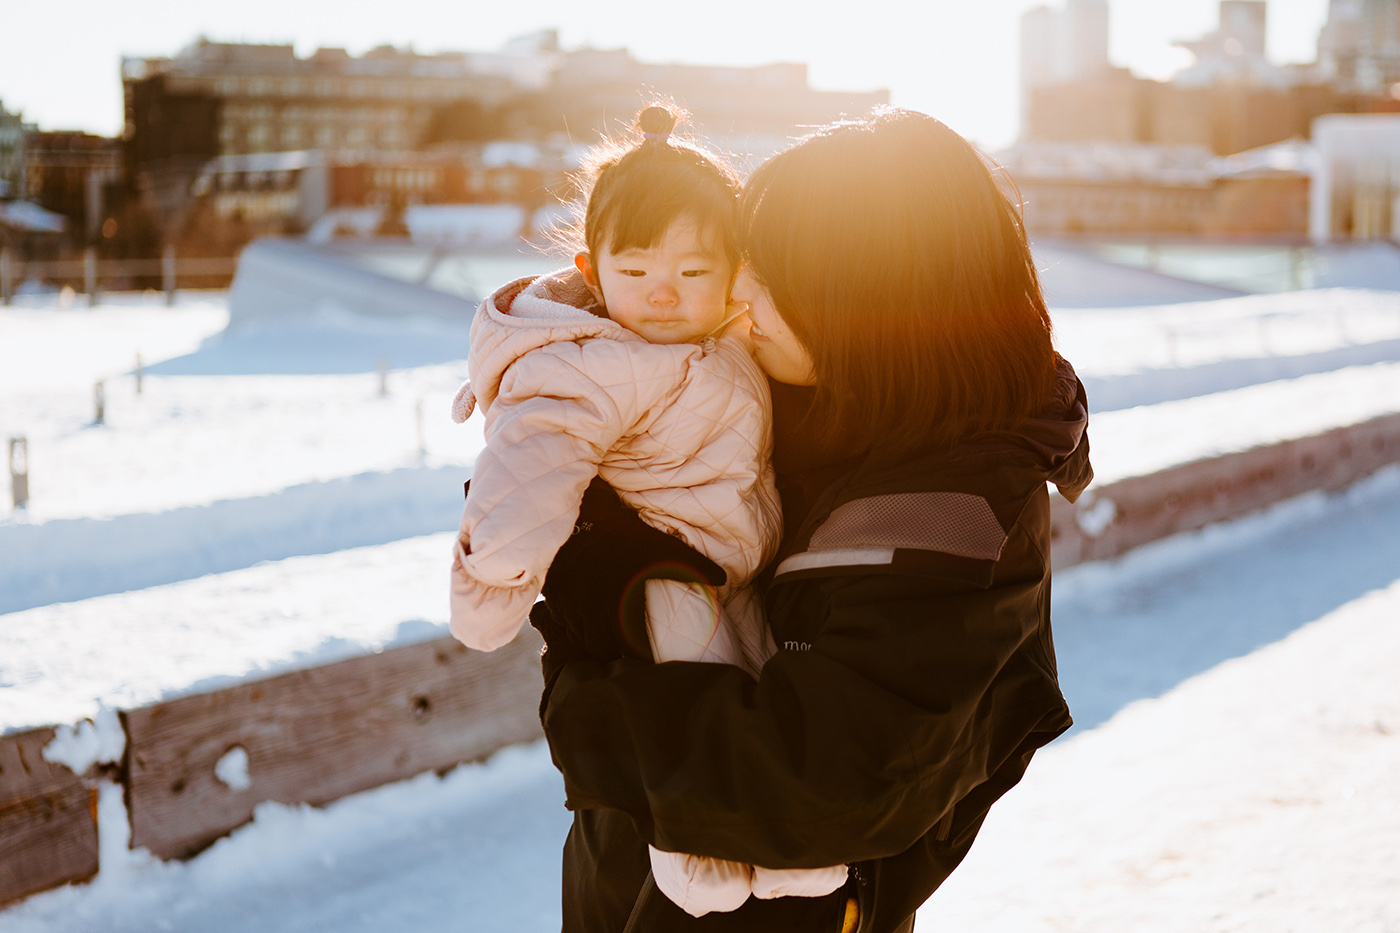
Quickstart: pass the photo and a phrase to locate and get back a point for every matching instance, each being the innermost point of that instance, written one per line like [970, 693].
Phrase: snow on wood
[314, 736]
[47, 819]
[1117, 516]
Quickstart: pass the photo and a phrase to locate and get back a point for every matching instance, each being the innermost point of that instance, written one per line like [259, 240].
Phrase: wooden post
[167, 273]
[140, 372]
[48, 819]
[1140, 509]
[7, 285]
[19, 471]
[315, 735]
[99, 403]
[383, 367]
[90, 275]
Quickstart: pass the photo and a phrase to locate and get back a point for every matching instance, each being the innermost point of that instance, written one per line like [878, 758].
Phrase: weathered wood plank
[315, 735]
[48, 819]
[1191, 496]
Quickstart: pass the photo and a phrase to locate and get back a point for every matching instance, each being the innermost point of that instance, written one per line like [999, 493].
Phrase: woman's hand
[595, 593]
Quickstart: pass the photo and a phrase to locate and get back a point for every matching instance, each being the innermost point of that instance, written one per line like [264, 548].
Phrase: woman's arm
[912, 691]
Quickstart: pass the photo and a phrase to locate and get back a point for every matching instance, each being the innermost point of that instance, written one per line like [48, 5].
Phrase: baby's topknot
[656, 122]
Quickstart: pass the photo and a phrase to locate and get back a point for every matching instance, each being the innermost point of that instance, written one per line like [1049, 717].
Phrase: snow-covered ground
[262, 506]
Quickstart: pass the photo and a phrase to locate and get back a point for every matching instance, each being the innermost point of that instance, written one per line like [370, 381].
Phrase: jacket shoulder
[947, 515]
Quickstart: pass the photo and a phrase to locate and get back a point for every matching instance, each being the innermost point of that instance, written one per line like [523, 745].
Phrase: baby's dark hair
[637, 187]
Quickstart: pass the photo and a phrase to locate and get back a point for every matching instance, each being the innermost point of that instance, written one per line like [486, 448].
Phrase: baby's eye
[692, 273]
[632, 272]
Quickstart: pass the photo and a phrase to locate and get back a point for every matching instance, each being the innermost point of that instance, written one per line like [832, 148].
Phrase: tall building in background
[1220, 148]
[1359, 47]
[1235, 52]
[1062, 46]
[1232, 98]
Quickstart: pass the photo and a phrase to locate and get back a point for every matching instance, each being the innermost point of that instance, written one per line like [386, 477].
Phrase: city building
[395, 127]
[222, 99]
[1235, 52]
[1231, 99]
[237, 197]
[1062, 46]
[1359, 47]
[70, 173]
[599, 90]
[1356, 181]
[1105, 188]
[13, 131]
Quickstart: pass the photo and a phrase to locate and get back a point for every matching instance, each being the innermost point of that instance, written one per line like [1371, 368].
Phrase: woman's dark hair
[902, 266]
[636, 188]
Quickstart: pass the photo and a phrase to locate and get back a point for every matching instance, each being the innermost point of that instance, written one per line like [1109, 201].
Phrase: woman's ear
[584, 264]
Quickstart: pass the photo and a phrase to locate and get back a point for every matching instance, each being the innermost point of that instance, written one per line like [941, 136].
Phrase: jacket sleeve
[913, 690]
[548, 429]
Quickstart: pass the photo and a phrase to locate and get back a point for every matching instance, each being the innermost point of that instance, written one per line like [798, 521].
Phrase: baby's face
[673, 292]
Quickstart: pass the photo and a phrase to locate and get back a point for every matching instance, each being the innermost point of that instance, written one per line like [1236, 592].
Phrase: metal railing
[90, 272]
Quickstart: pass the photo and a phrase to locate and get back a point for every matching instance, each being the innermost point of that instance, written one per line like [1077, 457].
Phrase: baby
[623, 368]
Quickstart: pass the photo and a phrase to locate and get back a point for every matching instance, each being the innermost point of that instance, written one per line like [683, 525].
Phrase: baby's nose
[664, 294]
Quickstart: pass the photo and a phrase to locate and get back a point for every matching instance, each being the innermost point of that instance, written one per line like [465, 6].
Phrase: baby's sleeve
[546, 432]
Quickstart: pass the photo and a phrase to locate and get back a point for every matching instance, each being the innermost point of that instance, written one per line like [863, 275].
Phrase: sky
[59, 61]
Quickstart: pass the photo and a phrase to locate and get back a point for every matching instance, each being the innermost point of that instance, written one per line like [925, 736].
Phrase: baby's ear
[584, 264]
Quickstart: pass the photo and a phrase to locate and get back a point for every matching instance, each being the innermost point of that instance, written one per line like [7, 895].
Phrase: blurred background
[165, 131]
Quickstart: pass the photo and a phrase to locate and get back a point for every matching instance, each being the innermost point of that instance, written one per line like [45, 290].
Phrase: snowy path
[1262, 794]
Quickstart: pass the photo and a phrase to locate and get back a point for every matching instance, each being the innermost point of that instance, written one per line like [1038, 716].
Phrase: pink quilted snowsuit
[683, 434]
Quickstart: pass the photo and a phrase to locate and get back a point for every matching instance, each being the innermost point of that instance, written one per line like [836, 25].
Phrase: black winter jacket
[915, 678]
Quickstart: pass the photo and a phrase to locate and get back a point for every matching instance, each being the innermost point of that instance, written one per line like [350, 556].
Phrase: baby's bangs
[637, 200]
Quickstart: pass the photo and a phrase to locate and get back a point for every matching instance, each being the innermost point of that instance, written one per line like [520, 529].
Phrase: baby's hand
[736, 316]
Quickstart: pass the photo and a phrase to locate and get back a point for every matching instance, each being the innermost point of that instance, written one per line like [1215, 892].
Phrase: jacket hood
[522, 316]
[1058, 435]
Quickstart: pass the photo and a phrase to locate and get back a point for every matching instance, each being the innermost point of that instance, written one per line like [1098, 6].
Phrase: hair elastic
[656, 135]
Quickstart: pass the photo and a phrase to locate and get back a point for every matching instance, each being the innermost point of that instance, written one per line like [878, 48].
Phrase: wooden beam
[48, 819]
[1191, 496]
[315, 735]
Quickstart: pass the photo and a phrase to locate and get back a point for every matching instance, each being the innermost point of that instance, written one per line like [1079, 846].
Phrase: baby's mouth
[756, 330]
